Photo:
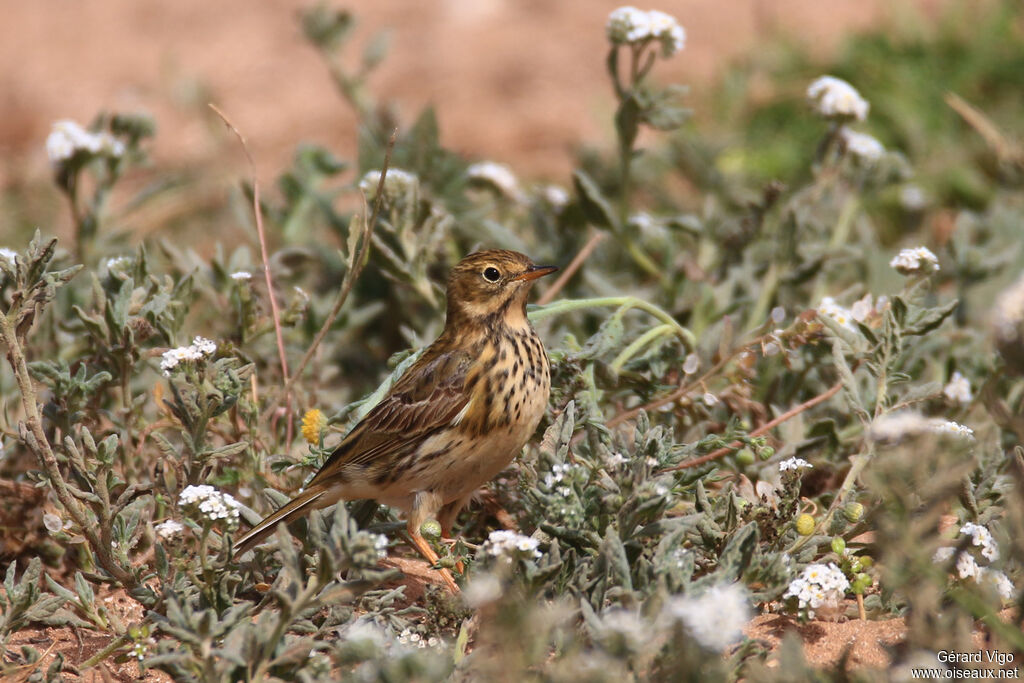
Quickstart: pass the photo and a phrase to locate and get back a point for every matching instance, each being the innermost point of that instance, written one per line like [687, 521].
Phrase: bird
[454, 420]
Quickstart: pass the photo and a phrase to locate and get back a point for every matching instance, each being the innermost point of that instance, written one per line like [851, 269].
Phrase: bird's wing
[428, 397]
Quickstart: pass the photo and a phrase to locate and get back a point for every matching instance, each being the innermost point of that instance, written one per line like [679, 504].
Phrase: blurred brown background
[520, 81]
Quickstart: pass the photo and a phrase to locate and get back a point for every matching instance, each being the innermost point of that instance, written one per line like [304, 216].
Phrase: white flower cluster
[940, 426]
[634, 26]
[199, 349]
[715, 618]
[397, 184]
[510, 545]
[818, 586]
[211, 503]
[795, 464]
[169, 529]
[967, 566]
[916, 261]
[840, 314]
[835, 98]
[617, 459]
[410, 638]
[907, 423]
[498, 176]
[862, 145]
[982, 537]
[241, 275]
[557, 474]
[958, 390]
[68, 138]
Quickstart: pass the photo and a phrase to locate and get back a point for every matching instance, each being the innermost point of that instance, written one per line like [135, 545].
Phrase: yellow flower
[313, 422]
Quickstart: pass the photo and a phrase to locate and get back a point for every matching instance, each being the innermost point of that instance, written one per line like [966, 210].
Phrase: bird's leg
[446, 518]
[424, 506]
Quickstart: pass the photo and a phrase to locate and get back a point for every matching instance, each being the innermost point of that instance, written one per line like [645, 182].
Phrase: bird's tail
[301, 505]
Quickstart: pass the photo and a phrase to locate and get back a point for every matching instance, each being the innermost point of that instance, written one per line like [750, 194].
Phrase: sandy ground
[521, 81]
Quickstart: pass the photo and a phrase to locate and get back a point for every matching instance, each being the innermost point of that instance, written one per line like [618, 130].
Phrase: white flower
[818, 586]
[778, 314]
[843, 316]
[834, 97]
[795, 464]
[617, 459]
[68, 138]
[631, 25]
[862, 308]
[862, 145]
[198, 350]
[241, 275]
[499, 176]
[204, 346]
[667, 31]
[940, 426]
[916, 261]
[212, 504]
[168, 529]
[716, 617]
[966, 567]
[958, 390]
[942, 555]
[691, 364]
[906, 423]
[999, 581]
[510, 545]
[173, 357]
[980, 536]
[8, 255]
[628, 25]
[397, 184]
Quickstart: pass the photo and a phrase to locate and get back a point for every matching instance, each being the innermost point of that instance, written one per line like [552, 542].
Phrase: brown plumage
[455, 419]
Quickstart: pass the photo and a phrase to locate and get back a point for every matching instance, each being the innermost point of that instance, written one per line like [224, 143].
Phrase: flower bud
[853, 512]
[430, 530]
[805, 524]
[838, 546]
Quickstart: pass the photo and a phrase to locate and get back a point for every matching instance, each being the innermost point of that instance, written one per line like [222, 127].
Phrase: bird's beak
[534, 272]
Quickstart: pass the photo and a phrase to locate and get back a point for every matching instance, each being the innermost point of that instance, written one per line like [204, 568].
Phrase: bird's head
[489, 287]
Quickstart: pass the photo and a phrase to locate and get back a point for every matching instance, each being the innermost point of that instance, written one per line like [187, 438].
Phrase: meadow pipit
[455, 419]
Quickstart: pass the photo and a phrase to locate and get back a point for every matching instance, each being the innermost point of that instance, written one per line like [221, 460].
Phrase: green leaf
[595, 207]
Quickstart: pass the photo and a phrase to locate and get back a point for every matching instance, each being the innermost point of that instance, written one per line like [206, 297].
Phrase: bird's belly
[456, 462]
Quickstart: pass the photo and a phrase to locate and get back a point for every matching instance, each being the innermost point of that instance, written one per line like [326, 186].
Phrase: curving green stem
[639, 343]
[624, 303]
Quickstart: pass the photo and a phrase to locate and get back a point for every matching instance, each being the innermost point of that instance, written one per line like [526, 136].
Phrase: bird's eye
[491, 274]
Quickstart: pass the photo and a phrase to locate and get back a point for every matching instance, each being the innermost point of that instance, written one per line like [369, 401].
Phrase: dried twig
[282, 356]
[791, 413]
[571, 269]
